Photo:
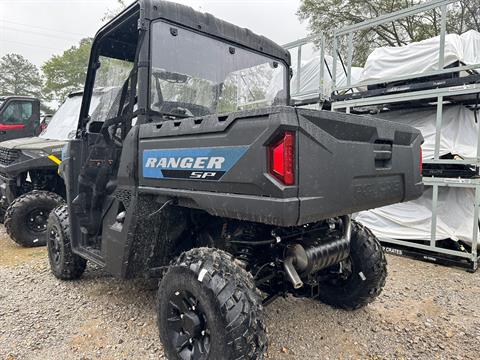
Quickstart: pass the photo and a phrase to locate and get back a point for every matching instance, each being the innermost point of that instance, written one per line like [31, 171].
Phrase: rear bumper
[267, 210]
[261, 209]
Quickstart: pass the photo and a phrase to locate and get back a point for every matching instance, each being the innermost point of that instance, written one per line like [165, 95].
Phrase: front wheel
[64, 264]
[362, 275]
[26, 217]
[2, 215]
[208, 308]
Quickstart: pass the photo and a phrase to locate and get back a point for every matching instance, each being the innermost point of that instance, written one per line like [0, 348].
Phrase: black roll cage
[140, 11]
[129, 14]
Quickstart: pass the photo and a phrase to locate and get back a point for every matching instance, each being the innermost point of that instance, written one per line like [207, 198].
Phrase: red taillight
[282, 158]
[421, 161]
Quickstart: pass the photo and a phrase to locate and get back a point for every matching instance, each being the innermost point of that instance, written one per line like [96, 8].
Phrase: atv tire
[64, 264]
[26, 217]
[367, 275]
[209, 308]
[2, 215]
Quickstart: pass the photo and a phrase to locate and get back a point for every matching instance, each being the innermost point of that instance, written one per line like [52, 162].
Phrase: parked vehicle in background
[30, 184]
[19, 117]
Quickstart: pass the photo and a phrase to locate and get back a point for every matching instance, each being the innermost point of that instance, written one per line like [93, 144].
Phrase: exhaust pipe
[291, 273]
[315, 258]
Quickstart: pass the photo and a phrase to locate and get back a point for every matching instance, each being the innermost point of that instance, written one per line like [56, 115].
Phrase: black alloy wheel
[36, 220]
[188, 327]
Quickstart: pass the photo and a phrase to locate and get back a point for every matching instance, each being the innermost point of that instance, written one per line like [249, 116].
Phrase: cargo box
[282, 165]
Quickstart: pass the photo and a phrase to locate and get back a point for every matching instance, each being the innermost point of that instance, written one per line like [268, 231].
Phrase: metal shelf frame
[296, 47]
[349, 32]
[472, 256]
[426, 250]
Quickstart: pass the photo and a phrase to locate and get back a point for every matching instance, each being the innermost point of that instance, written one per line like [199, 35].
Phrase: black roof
[203, 22]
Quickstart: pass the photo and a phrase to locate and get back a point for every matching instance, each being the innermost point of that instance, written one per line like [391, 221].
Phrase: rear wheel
[26, 217]
[208, 308]
[64, 263]
[361, 277]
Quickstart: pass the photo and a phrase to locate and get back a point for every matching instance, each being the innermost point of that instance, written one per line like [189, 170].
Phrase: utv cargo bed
[226, 165]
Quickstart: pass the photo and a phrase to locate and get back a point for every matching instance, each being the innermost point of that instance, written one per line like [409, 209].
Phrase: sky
[37, 29]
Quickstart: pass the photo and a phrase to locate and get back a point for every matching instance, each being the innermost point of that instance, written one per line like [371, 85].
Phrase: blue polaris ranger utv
[197, 171]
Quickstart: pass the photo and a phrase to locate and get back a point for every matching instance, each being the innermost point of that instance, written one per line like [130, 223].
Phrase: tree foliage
[66, 72]
[18, 76]
[327, 15]
[111, 13]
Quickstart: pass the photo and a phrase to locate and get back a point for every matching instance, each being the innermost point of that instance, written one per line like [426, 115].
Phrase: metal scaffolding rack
[316, 96]
[429, 250]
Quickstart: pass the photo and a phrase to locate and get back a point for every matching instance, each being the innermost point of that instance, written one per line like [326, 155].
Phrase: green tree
[66, 72]
[327, 15]
[111, 13]
[18, 76]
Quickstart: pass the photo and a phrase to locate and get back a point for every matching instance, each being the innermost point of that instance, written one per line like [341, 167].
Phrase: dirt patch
[12, 254]
[413, 311]
[425, 312]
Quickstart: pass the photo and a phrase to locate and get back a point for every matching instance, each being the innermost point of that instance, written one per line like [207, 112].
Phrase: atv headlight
[35, 153]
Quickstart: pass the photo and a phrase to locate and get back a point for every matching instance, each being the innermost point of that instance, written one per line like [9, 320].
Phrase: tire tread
[12, 227]
[237, 296]
[73, 266]
[374, 267]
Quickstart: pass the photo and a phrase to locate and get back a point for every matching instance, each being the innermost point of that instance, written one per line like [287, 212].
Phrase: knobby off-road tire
[64, 264]
[26, 217]
[2, 215]
[367, 276]
[209, 308]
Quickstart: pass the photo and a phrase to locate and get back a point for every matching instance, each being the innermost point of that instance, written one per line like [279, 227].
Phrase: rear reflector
[282, 155]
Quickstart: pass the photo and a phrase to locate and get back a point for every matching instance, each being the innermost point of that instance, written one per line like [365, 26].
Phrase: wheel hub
[54, 246]
[37, 220]
[187, 327]
[192, 324]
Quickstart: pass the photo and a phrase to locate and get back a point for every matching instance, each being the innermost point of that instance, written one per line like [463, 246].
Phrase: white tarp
[421, 57]
[412, 220]
[459, 130]
[310, 77]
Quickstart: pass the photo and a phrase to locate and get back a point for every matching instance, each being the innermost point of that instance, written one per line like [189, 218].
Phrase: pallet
[431, 257]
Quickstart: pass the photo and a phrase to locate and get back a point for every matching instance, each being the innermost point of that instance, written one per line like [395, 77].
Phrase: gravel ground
[425, 312]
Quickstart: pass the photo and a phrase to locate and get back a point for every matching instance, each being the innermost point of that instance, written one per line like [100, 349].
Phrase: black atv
[30, 185]
[199, 173]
